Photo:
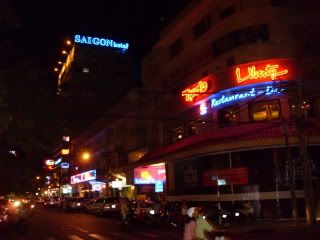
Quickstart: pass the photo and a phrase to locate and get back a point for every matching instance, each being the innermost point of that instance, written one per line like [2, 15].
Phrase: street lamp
[64, 52]
[38, 177]
[86, 156]
[68, 42]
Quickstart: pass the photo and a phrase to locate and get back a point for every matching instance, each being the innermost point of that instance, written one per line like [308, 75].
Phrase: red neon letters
[191, 93]
[270, 71]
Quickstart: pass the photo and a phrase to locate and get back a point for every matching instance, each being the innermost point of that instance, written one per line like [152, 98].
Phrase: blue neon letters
[253, 92]
[100, 42]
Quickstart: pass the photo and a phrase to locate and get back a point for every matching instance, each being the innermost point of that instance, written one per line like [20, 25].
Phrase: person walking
[190, 225]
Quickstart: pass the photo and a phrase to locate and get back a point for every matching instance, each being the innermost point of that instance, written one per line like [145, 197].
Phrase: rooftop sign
[104, 42]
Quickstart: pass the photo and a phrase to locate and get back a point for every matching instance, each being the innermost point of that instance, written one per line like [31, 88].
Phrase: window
[229, 116]
[265, 110]
[202, 27]
[175, 48]
[280, 3]
[245, 36]
[227, 12]
[231, 61]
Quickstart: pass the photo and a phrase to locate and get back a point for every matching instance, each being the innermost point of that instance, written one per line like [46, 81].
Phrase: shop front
[88, 185]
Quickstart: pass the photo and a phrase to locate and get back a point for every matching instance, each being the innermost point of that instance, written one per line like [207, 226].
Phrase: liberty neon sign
[251, 93]
[191, 93]
[270, 71]
[101, 42]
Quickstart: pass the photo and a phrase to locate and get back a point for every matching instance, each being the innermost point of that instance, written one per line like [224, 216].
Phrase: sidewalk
[274, 229]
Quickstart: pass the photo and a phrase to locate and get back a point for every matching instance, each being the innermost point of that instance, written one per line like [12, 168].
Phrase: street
[53, 224]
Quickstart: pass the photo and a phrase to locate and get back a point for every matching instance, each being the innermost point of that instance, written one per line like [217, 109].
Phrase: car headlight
[152, 212]
[16, 203]
[224, 216]
[237, 214]
[113, 206]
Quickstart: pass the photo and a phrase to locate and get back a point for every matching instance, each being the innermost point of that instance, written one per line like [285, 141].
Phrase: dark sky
[32, 35]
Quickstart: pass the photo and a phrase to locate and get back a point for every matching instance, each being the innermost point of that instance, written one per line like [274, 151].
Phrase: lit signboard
[225, 97]
[150, 174]
[104, 42]
[270, 72]
[195, 90]
[158, 186]
[58, 161]
[65, 165]
[49, 162]
[83, 177]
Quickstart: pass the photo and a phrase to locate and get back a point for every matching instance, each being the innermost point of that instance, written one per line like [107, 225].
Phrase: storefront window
[229, 116]
[265, 110]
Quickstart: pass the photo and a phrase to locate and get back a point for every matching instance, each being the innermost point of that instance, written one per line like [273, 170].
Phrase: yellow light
[68, 42]
[17, 203]
[60, 63]
[56, 69]
[65, 151]
[64, 52]
[86, 156]
[38, 177]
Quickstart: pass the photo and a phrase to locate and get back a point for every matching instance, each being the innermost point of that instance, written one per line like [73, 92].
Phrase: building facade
[230, 79]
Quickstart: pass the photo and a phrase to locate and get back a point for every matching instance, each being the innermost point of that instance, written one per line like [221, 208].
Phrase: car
[106, 206]
[89, 204]
[141, 208]
[77, 204]
[53, 202]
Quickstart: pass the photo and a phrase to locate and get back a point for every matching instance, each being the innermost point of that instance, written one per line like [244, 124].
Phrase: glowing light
[65, 165]
[101, 42]
[83, 177]
[68, 42]
[58, 161]
[191, 93]
[56, 69]
[17, 203]
[60, 63]
[65, 151]
[49, 162]
[203, 108]
[64, 52]
[86, 156]
[270, 71]
[224, 98]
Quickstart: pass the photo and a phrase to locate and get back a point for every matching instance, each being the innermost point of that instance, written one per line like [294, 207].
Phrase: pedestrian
[184, 210]
[204, 229]
[190, 225]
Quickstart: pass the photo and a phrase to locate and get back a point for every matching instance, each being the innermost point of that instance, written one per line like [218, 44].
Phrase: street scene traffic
[184, 119]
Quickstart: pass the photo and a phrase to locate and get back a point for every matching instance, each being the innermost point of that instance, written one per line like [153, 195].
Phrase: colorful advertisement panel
[150, 174]
[83, 177]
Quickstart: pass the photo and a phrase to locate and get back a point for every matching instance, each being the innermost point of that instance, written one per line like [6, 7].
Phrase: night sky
[33, 34]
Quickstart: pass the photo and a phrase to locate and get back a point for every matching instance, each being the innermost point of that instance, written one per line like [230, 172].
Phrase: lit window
[263, 111]
[86, 70]
[229, 116]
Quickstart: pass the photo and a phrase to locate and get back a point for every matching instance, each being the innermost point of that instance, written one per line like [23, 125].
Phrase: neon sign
[246, 94]
[83, 177]
[49, 162]
[104, 42]
[203, 108]
[270, 71]
[191, 93]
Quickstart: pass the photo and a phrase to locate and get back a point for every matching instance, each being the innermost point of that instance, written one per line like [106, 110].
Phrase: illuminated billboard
[151, 174]
[83, 177]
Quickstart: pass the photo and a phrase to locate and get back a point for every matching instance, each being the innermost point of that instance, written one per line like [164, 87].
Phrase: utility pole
[303, 154]
[291, 175]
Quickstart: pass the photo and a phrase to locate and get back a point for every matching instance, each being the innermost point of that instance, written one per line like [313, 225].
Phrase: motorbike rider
[124, 210]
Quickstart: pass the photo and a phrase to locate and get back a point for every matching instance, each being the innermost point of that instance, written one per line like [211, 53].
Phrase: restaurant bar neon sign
[270, 71]
[225, 98]
[196, 90]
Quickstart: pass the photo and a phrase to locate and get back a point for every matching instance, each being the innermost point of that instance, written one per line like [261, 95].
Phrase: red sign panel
[231, 175]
